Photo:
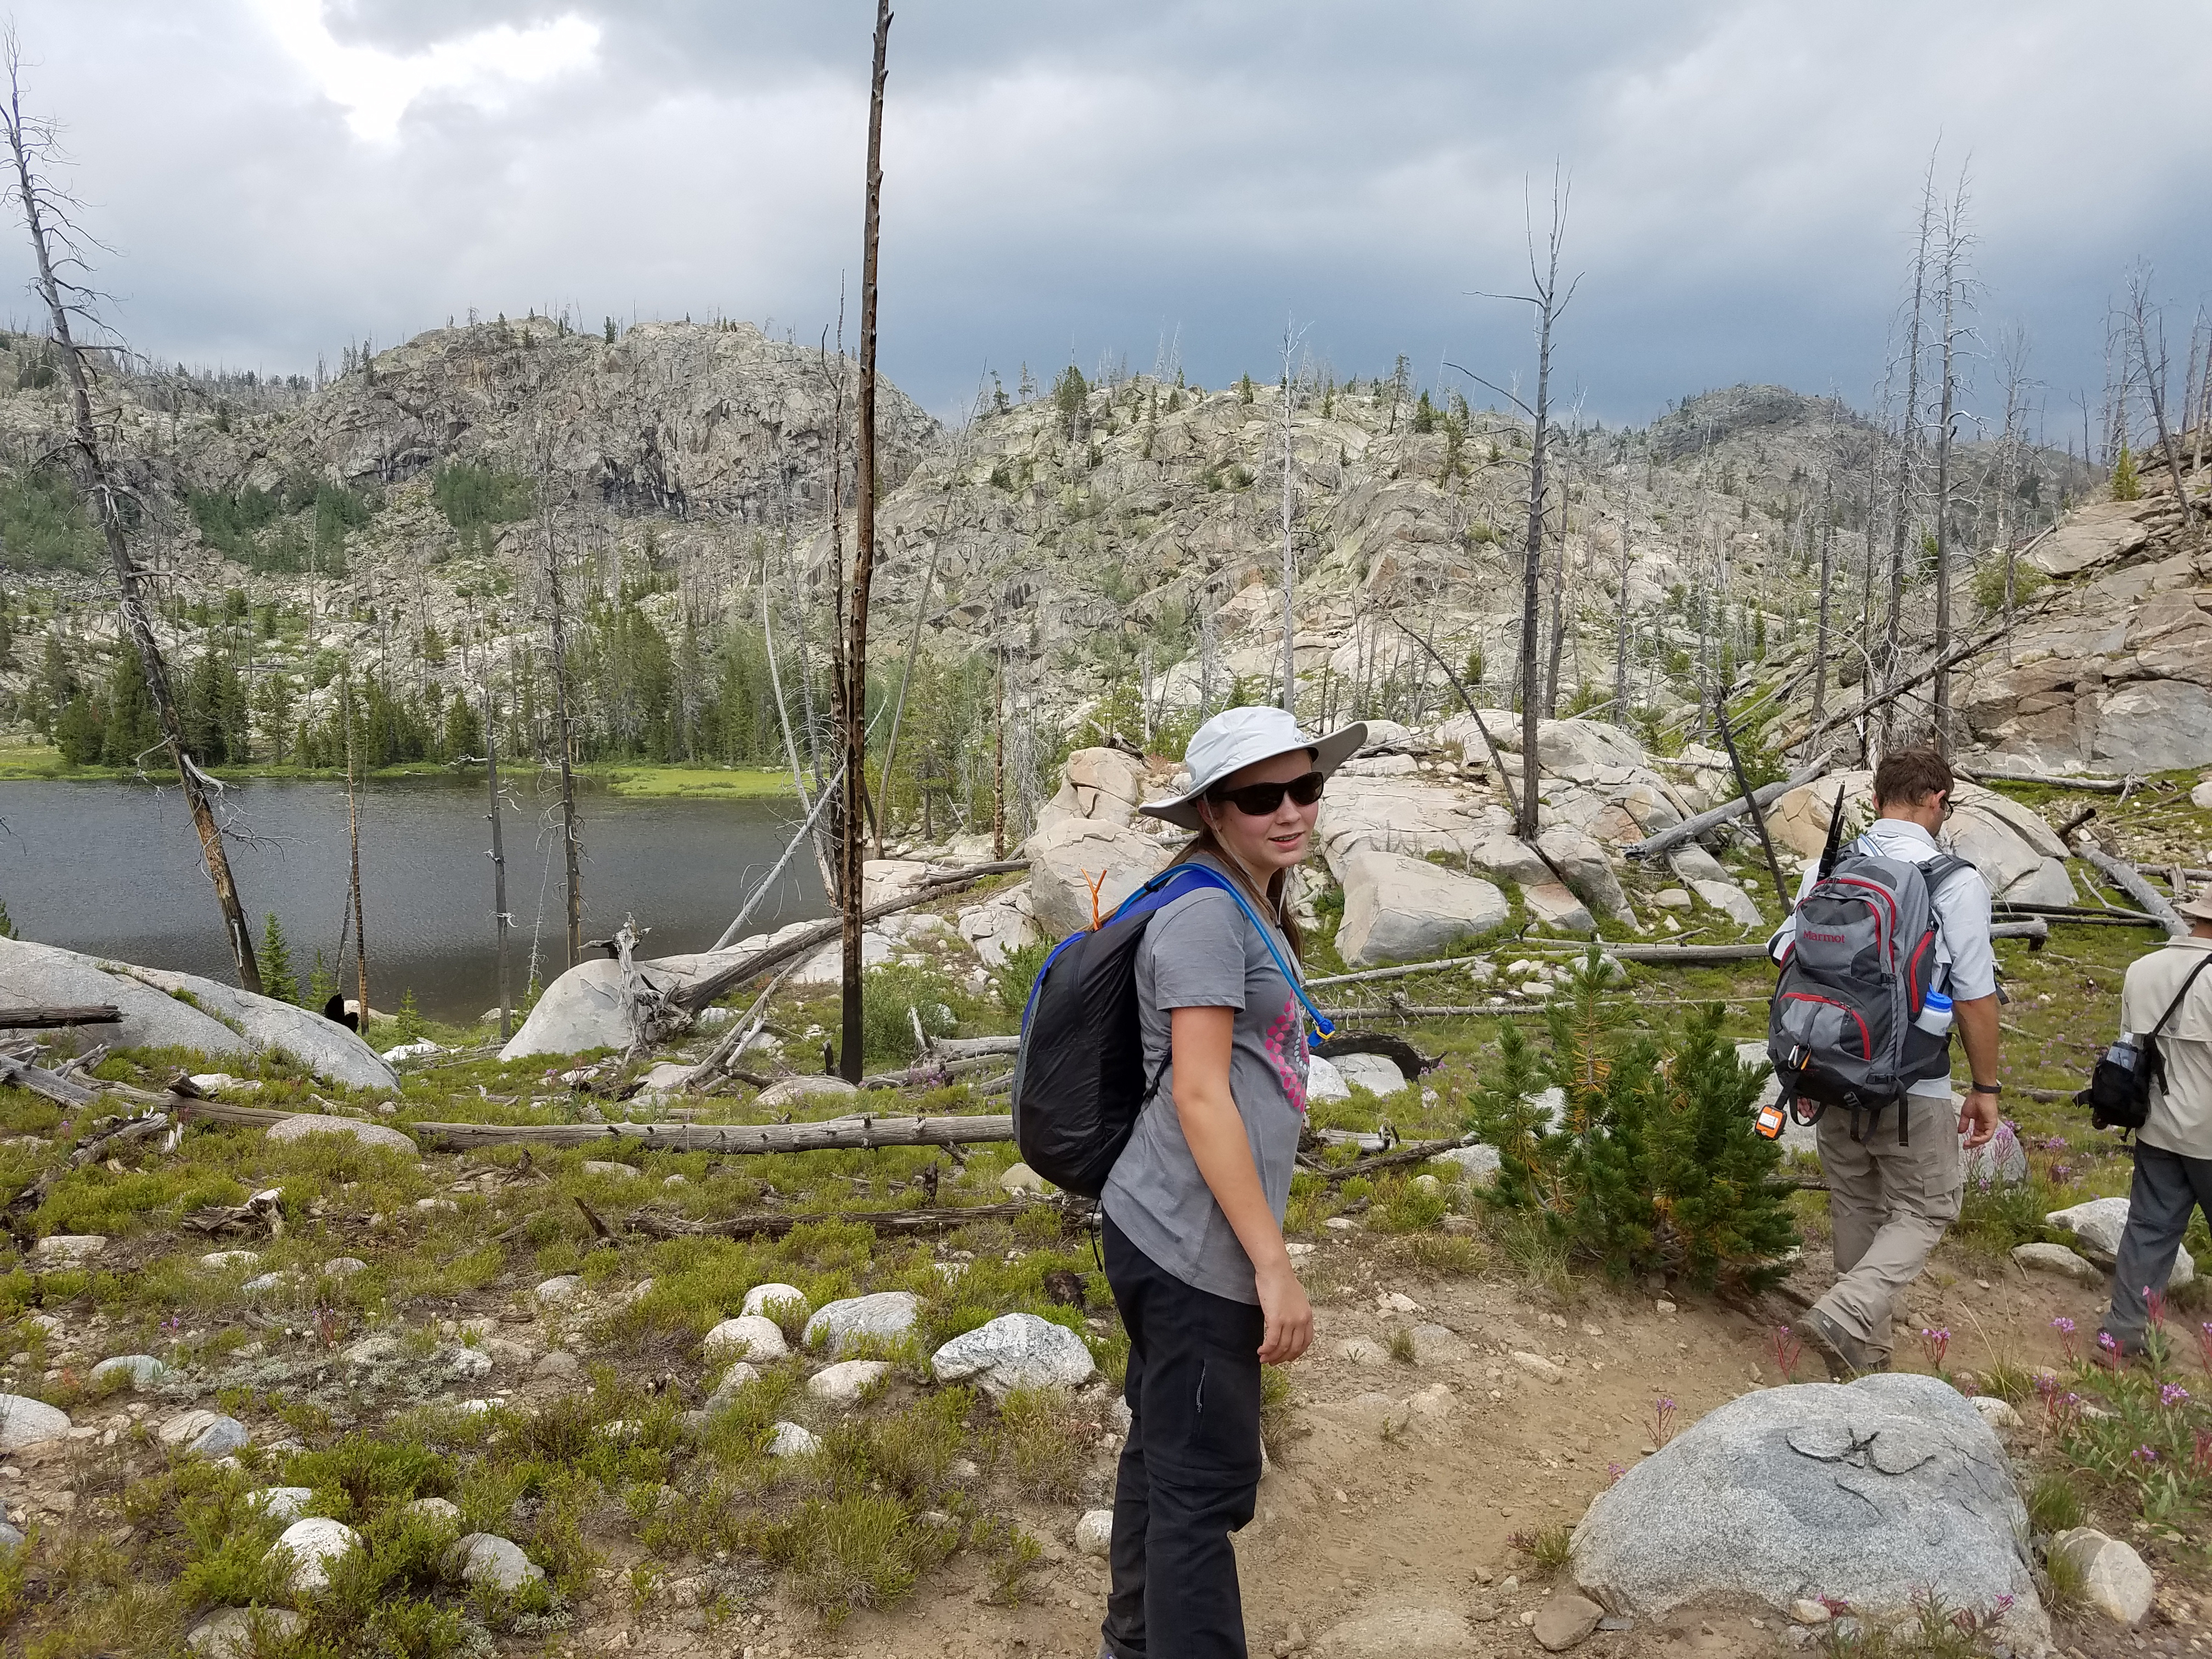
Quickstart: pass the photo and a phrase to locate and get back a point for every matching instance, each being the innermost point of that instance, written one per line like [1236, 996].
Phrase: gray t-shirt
[1201, 953]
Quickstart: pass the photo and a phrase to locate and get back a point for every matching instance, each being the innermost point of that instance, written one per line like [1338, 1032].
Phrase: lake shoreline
[633, 780]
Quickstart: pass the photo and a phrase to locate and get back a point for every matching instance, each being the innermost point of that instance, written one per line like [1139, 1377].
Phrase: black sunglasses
[1259, 800]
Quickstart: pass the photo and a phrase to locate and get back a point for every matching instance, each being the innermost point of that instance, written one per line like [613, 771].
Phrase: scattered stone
[286, 1503]
[1671, 898]
[886, 1315]
[141, 1370]
[557, 1363]
[1731, 901]
[1999, 1161]
[1020, 1178]
[1662, 1306]
[1748, 1499]
[1439, 1345]
[1375, 1414]
[372, 1351]
[1550, 905]
[421, 1049]
[803, 1090]
[749, 1336]
[2115, 1580]
[262, 1284]
[344, 1266]
[767, 1299]
[1806, 1611]
[1376, 1073]
[732, 1379]
[436, 1509]
[1324, 1081]
[1361, 1351]
[1997, 1413]
[28, 1423]
[1565, 1619]
[1398, 1633]
[67, 1250]
[313, 1544]
[793, 1441]
[437, 1206]
[243, 1633]
[2057, 1258]
[1094, 1533]
[484, 1558]
[204, 1434]
[226, 1259]
[301, 1125]
[1015, 1351]
[1537, 1366]
[11, 1537]
[593, 1166]
[843, 1383]
[560, 1289]
[463, 1361]
[1477, 1165]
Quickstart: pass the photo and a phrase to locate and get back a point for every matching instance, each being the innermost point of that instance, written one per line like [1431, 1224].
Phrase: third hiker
[1894, 1181]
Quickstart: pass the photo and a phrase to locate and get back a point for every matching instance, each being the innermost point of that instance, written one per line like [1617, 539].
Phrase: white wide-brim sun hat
[1238, 737]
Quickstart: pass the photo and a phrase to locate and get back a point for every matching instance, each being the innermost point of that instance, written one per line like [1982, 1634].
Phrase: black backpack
[2119, 1096]
[1079, 1079]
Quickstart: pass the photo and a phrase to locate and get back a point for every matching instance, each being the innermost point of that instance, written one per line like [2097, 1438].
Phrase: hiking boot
[1846, 1355]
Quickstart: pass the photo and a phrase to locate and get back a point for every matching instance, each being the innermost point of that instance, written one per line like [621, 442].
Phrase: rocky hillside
[1116, 548]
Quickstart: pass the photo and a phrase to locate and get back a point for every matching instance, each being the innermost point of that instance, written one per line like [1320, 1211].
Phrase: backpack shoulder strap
[2204, 961]
[1204, 877]
[1941, 868]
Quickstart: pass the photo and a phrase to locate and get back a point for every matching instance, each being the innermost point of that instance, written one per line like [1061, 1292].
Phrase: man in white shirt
[1890, 1198]
[2173, 1148]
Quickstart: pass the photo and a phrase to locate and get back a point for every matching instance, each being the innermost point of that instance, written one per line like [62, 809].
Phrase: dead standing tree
[855, 700]
[1549, 304]
[1956, 296]
[58, 249]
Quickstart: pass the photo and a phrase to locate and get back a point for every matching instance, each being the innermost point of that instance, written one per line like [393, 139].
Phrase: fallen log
[1413, 1151]
[1400, 972]
[828, 1134]
[1652, 846]
[198, 1109]
[701, 993]
[99, 1143]
[2066, 830]
[47, 1018]
[925, 1073]
[2036, 929]
[62, 1091]
[2130, 880]
[1074, 1214]
[2047, 780]
[970, 1048]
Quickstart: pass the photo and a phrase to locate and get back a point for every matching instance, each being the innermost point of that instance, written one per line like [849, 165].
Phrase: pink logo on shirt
[1283, 1041]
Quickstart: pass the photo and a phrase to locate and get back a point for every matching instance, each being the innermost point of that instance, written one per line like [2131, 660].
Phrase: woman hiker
[1194, 1208]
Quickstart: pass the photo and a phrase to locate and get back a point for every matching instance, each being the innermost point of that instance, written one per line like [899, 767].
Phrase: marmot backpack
[1079, 1079]
[1840, 1031]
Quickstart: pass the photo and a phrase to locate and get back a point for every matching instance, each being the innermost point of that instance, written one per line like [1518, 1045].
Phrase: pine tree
[7, 921]
[2126, 485]
[278, 980]
[410, 1021]
[322, 984]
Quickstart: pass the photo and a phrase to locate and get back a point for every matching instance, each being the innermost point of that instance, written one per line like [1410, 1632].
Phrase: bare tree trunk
[1549, 303]
[1955, 244]
[998, 757]
[564, 735]
[2143, 319]
[822, 863]
[1827, 579]
[46, 217]
[1290, 556]
[501, 920]
[352, 836]
[1893, 645]
[864, 560]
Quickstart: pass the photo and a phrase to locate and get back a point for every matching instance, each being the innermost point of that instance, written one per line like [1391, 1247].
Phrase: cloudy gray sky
[275, 177]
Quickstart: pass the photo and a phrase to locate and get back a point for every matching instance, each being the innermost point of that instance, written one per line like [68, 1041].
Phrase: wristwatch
[1986, 1089]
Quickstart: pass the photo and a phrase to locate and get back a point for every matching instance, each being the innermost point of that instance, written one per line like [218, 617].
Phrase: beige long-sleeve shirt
[2180, 1120]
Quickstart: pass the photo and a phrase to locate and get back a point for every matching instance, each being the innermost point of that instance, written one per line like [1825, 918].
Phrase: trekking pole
[1751, 800]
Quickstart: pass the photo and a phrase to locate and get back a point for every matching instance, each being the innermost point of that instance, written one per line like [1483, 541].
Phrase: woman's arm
[1215, 1131]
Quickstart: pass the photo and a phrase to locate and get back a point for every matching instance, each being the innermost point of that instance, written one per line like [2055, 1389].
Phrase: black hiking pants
[1190, 1471]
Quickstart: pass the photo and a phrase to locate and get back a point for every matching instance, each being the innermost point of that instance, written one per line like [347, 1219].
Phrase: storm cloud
[276, 178]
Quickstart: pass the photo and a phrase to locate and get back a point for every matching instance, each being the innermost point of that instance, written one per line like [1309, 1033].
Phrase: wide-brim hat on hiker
[2198, 909]
[1238, 737]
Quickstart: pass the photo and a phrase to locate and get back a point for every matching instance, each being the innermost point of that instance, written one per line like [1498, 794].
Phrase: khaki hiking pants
[1889, 1205]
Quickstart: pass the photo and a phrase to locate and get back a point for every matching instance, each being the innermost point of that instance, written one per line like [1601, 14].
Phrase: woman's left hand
[1289, 1315]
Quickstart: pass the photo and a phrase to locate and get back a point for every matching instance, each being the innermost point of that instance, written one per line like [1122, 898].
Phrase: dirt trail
[1369, 1506]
